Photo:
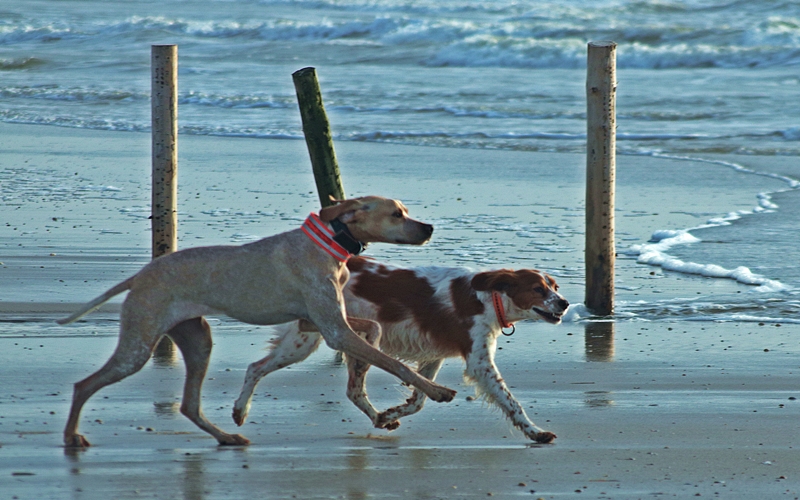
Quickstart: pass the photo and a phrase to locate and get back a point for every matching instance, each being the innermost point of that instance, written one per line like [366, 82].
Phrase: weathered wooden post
[601, 86]
[164, 103]
[317, 131]
[164, 124]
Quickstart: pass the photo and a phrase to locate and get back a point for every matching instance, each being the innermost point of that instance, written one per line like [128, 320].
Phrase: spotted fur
[428, 314]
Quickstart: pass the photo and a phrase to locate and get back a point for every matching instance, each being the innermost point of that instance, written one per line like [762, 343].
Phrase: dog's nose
[563, 304]
[428, 229]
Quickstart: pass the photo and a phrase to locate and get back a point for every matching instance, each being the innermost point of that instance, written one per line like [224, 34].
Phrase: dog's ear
[339, 210]
[501, 280]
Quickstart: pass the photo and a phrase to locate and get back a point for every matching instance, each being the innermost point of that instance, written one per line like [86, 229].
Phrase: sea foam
[654, 253]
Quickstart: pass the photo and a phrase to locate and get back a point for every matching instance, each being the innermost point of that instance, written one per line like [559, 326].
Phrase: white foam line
[654, 253]
[793, 183]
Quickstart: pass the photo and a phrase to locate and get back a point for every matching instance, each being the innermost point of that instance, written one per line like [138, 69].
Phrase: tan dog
[298, 274]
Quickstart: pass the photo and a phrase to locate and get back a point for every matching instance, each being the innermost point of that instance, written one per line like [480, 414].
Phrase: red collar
[322, 235]
[500, 310]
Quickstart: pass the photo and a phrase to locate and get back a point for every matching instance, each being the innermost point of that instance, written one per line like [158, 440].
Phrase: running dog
[426, 314]
[296, 275]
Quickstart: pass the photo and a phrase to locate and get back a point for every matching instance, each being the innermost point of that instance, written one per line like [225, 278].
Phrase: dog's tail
[98, 301]
[282, 330]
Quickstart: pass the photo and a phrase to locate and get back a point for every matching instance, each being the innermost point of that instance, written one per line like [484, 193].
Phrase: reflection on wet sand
[165, 353]
[598, 399]
[358, 463]
[194, 484]
[166, 409]
[371, 464]
[599, 348]
[600, 341]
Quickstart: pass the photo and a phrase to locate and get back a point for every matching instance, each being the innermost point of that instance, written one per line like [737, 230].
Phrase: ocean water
[701, 82]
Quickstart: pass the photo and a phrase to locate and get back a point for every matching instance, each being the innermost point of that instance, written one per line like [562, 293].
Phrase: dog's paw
[384, 421]
[76, 441]
[239, 416]
[233, 440]
[544, 437]
[390, 426]
[442, 394]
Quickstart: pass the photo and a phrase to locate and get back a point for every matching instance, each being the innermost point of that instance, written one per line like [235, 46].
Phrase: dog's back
[425, 313]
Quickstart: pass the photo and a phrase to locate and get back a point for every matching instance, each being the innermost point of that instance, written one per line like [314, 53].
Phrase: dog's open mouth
[548, 316]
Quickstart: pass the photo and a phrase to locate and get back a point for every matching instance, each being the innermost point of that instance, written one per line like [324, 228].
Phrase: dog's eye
[539, 290]
[398, 214]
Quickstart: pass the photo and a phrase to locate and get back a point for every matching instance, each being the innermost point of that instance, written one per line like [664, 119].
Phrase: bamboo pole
[601, 86]
[317, 131]
[164, 103]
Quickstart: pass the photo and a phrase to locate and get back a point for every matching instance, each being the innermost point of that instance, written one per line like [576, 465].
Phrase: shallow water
[695, 76]
[710, 85]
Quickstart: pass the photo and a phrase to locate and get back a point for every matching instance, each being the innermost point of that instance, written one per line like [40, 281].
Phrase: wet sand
[641, 409]
[637, 413]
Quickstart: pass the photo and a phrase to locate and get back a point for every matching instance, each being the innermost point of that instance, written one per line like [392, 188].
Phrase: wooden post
[164, 103]
[317, 131]
[601, 86]
[164, 120]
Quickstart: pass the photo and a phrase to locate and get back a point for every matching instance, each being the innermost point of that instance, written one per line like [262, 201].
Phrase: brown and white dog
[427, 314]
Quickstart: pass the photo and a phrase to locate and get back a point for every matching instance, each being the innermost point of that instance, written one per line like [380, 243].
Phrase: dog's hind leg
[296, 344]
[134, 349]
[389, 419]
[340, 337]
[193, 338]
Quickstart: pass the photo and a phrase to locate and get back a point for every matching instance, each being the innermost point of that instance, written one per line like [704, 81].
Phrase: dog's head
[376, 219]
[532, 294]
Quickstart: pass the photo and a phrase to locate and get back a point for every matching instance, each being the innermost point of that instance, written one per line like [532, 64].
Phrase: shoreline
[77, 218]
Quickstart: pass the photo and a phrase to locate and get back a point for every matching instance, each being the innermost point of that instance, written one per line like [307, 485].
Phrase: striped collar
[500, 311]
[333, 243]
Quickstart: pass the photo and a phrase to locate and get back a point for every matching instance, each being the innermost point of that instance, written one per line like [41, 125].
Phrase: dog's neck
[337, 242]
[500, 311]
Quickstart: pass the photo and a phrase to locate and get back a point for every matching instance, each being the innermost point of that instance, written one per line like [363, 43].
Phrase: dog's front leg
[481, 369]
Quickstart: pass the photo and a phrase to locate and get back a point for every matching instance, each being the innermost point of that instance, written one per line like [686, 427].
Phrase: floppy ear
[340, 208]
[502, 280]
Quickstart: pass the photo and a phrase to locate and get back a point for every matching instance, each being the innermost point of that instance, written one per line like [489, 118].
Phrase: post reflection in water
[165, 354]
[358, 463]
[194, 485]
[600, 341]
[599, 348]
[367, 465]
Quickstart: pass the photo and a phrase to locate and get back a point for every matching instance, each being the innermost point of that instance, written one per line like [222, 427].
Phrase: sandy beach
[642, 409]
